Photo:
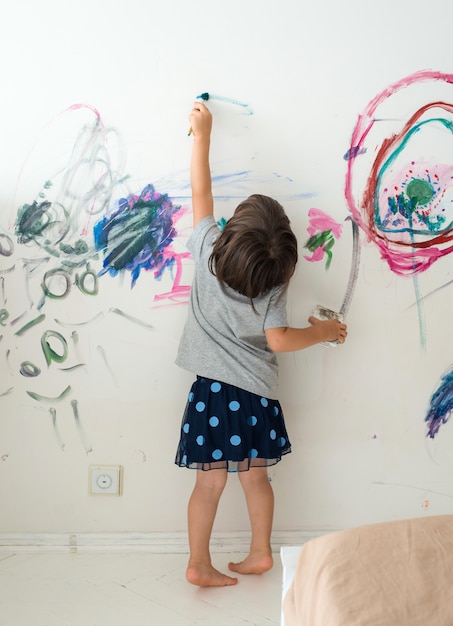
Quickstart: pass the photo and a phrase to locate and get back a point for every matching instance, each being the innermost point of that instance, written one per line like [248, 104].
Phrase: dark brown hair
[257, 249]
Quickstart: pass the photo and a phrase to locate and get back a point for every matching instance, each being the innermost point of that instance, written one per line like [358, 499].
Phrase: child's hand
[330, 330]
[200, 120]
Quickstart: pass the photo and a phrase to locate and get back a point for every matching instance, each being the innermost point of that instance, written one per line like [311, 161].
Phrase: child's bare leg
[201, 513]
[260, 503]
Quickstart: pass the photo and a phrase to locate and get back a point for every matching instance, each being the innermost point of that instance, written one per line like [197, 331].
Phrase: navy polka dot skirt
[225, 427]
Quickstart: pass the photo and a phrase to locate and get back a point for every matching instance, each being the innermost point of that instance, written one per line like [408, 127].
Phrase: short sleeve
[277, 315]
[203, 234]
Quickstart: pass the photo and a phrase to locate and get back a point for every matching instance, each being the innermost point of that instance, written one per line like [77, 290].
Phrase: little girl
[236, 322]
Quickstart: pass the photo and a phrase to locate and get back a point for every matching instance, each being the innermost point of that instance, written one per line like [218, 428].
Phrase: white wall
[305, 71]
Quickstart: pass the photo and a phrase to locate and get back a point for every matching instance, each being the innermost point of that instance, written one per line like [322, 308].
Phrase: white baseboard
[157, 542]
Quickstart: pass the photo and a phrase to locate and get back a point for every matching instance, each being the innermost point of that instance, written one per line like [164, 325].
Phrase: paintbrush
[203, 96]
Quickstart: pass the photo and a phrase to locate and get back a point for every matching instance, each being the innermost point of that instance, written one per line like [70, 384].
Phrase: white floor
[135, 589]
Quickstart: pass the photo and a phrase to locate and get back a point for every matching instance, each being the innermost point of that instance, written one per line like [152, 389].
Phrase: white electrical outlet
[105, 480]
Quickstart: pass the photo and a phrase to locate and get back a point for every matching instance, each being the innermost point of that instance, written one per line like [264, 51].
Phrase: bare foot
[208, 576]
[254, 564]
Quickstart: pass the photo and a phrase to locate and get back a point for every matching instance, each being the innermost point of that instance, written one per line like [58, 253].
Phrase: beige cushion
[389, 574]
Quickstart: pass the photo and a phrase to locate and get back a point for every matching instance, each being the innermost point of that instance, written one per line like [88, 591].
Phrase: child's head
[257, 249]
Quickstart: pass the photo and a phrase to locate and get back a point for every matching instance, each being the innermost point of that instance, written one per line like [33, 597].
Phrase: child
[236, 322]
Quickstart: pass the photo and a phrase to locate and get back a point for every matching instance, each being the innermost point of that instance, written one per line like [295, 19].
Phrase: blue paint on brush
[441, 405]
[211, 96]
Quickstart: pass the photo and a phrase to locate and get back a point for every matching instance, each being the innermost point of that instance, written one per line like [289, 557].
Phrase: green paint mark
[37, 320]
[80, 247]
[37, 396]
[130, 317]
[3, 317]
[51, 354]
[87, 282]
[73, 367]
[419, 192]
[324, 240]
[65, 282]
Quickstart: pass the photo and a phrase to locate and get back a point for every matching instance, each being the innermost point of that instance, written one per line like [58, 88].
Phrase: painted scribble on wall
[440, 405]
[79, 227]
[406, 207]
[80, 213]
[323, 230]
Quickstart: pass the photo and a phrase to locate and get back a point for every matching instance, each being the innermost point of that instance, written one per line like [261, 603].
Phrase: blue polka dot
[200, 440]
[186, 428]
[276, 410]
[251, 421]
[190, 398]
[235, 440]
[216, 387]
[264, 401]
[272, 434]
[281, 441]
[234, 405]
[184, 459]
[214, 421]
[217, 454]
[200, 406]
[253, 453]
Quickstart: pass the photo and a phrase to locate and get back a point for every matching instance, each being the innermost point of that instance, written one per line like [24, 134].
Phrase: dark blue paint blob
[135, 236]
[353, 152]
[441, 405]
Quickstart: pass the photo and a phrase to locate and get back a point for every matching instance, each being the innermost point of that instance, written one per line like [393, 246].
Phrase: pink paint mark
[77, 106]
[317, 255]
[179, 292]
[320, 221]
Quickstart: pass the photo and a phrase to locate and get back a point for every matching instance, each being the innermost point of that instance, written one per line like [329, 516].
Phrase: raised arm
[200, 173]
[285, 339]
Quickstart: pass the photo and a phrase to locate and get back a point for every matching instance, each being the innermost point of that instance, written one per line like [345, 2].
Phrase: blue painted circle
[217, 454]
[200, 440]
[235, 440]
[276, 410]
[272, 434]
[186, 428]
[264, 401]
[216, 387]
[214, 421]
[281, 441]
[253, 453]
[234, 405]
[184, 459]
[200, 406]
[190, 398]
[251, 421]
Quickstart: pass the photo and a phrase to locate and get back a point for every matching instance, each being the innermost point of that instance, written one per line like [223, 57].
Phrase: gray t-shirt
[223, 337]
